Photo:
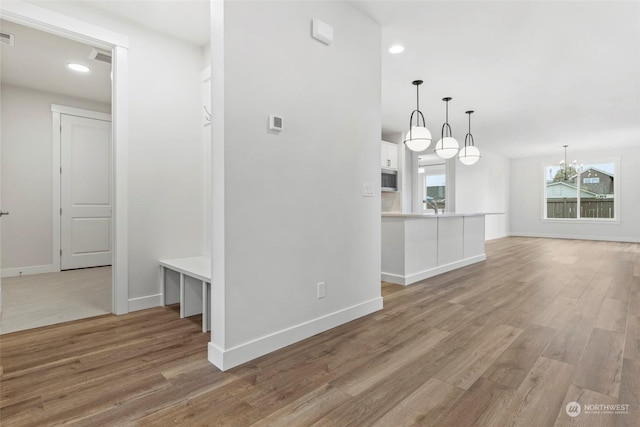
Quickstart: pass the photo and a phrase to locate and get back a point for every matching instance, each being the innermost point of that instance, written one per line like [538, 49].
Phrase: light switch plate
[367, 189]
[321, 289]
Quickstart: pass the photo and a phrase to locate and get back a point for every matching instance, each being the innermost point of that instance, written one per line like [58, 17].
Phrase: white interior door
[85, 192]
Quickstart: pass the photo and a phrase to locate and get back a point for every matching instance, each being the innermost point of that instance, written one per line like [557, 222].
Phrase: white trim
[217, 236]
[449, 178]
[205, 74]
[398, 279]
[80, 112]
[120, 126]
[227, 359]
[142, 303]
[416, 277]
[610, 221]
[52, 22]
[26, 271]
[616, 191]
[578, 237]
[55, 183]
[49, 21]
[543, 198]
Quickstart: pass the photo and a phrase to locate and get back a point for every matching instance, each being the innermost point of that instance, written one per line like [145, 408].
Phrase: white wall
[294, 213]
[165, 149]
[27, 161]
[527, 198]
[484, 187]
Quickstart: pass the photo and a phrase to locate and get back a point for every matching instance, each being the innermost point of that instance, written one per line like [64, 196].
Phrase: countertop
[430, 215]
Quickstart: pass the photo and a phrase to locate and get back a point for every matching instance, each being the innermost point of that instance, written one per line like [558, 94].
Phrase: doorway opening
[60, 220]
[52, 23]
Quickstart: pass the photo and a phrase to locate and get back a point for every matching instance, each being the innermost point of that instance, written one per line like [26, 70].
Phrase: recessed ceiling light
[396, 48]
[78, 67]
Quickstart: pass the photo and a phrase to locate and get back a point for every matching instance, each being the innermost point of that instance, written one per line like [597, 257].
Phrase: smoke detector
[100, 55]
[6, 38]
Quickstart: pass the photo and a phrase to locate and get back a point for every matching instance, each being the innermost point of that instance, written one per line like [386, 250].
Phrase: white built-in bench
[192, 289]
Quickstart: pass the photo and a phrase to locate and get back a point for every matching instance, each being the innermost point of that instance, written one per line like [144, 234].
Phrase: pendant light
[447, 147]
[418, 138]
[469, 154]
[567, 171]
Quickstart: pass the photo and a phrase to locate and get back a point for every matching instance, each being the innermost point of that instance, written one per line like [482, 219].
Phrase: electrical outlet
[322, 289]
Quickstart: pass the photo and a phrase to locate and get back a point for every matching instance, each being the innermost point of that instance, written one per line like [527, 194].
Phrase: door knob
[4, 213]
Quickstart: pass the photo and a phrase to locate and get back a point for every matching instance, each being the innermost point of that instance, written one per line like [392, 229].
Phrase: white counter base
[416, 277]
[416, 247]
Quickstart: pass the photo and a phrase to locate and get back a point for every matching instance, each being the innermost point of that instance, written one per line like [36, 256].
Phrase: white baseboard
[580, 237]
[227, 359]
[425, 274]
[398, 279]
[143, 303]
[26, 271]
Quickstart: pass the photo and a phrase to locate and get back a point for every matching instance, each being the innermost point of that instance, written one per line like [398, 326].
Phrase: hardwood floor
[510, 341]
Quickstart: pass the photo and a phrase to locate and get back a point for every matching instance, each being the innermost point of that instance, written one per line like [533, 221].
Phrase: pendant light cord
[417, 111]
[446, 128]
[468, 138]
[447, 113]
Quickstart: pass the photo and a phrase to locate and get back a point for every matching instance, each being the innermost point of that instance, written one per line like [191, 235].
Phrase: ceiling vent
[7, 38]
[100, 55]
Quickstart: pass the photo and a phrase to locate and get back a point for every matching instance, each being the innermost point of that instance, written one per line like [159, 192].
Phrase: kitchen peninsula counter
[417, 246]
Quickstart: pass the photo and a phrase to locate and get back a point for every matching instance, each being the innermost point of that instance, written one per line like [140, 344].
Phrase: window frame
[449, 165]
[616, 161]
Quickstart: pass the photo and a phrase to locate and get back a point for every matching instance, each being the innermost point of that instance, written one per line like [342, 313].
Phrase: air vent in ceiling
[101, 55]
[7, 38]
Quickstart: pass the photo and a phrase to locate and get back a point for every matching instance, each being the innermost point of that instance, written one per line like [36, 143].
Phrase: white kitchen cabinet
[418, 246]
[389, 155]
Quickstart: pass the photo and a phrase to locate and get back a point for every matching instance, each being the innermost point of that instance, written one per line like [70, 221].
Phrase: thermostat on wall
[275, 123]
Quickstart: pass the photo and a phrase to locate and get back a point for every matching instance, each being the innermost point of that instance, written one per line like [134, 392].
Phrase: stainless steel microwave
[389, 180]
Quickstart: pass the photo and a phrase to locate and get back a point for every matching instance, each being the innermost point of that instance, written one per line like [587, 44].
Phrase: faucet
[433, 205]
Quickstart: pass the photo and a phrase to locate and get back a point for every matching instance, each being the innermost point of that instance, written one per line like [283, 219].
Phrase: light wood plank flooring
[510, 341]
[45, 299]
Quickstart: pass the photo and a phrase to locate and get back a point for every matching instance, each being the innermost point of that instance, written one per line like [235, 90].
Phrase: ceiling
[187, 20]
[539, 74]
[38, 60]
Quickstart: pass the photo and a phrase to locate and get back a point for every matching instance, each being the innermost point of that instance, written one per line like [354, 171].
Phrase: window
[586, 193]
[431, 183]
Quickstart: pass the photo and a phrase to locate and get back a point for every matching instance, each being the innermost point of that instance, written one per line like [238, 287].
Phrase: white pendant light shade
[447, 147]
[469, 155]
[418, 138]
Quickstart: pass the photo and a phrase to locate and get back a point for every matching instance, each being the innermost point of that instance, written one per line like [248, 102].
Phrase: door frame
[57, 112]
[450, 179]
[65, 26]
